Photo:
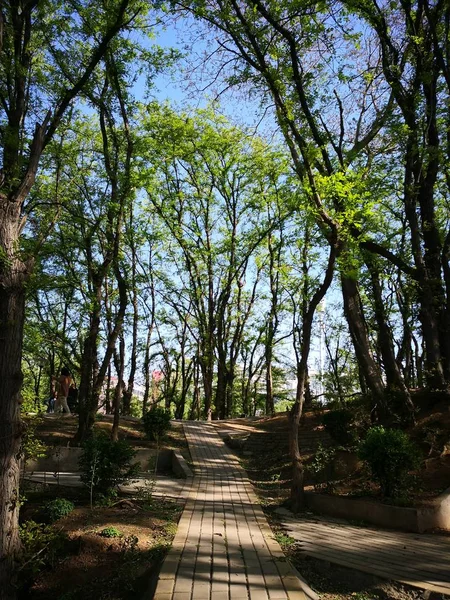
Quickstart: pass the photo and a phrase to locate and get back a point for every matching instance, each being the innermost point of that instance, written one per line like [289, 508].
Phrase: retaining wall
[435, 515]
[258, 442]
[62, 459]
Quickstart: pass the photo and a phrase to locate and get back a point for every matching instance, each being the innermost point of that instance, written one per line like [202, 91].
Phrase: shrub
[42, 547]
[156, 423]
[389, 454]
[338, 424]
[108, 499]
[105, 464]
[322, 467]
[31, 446]
[58, 508]
[110, 532]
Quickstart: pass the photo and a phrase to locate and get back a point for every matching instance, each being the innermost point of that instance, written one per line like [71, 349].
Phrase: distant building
[138, 389]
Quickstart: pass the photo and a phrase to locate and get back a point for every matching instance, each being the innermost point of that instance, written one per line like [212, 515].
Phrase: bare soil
[271, 471]
[93, 567]
[56, 430]
[87, 565]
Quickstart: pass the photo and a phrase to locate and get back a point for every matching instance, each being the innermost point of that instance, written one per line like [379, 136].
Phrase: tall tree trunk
[358, 332]
[150, 326]
[221, 389]
[394, 380]
[87, 405]
[229, 394]
[445, 319]
[270, 405]
[187, 371]
[207, 367]
[405, 355]
[195, 412]
[118, 391]
[272, 324]
[147, 374]
[418, 359]
[90, 408]
[108, 407]
[128, 393]
[88, 360]
[308, 311]
[13, 274]
[297, 491]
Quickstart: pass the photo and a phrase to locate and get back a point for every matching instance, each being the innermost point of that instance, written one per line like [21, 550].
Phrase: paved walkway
[224, 548]
[419, 560]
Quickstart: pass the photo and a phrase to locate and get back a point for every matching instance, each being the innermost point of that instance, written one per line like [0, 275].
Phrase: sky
[189, 85]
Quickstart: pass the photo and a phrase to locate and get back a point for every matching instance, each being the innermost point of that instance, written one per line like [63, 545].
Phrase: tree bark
[394, 380]
[221, 389]
[118, 391]
[13, 275]
[270, 405]
[358, 332]
[308, 311]
[195, 409]
[207, 367]
[128, 393]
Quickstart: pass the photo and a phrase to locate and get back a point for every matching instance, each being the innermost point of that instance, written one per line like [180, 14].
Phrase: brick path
[224, 548]
[420, 560]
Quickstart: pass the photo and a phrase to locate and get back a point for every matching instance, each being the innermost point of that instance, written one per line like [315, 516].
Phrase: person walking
[64, 383]
[51, 403]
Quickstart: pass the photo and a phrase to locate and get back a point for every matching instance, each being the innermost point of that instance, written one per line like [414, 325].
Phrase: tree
[117, 151]
[415, 67]
[40, 81]
[205, 180]
[306, 295]
[271, 46]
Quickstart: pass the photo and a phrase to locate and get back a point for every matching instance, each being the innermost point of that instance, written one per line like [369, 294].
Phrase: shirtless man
[64, 383]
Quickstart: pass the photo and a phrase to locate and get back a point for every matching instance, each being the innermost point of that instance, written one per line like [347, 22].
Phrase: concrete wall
[58, 459]
[435, 515]
[65, 460]
[180, 468]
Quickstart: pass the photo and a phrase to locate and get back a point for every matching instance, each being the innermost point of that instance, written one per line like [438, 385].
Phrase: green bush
[108, 499]
[110, 532]
[156, 423]
[322, 467]
[390, 454]
[31, 446]
[58, 508]
[42, 547]
[105, 464]
[338, 424]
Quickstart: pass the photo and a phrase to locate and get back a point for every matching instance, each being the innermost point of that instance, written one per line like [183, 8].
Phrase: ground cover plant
[100, 553]
[106, 546]
[58, 508]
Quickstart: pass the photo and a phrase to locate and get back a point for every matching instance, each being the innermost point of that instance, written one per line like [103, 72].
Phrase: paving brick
[224, 548]
[165, 586]
[258, 594]
[221, 596]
